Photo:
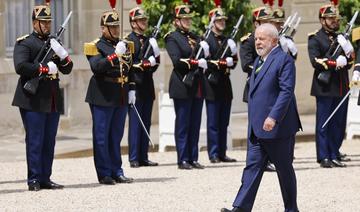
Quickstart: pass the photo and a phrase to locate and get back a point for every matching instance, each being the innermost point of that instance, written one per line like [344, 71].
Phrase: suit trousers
[108, 130]
[138, 140]
[218, 116]
[258, 153]
[40, 129]
[329, 139]
[187, 128]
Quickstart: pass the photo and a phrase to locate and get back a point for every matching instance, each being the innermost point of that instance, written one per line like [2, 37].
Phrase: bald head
[266, 38]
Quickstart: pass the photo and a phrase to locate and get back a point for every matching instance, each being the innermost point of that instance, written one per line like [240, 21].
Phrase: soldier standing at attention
[248, 53]
[182, 46]
[40, 111]
[329, 85]
[142, 72]
[218, 90]
[108, 95]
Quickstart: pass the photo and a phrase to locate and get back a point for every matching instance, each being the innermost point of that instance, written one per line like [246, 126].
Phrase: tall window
[18, 20]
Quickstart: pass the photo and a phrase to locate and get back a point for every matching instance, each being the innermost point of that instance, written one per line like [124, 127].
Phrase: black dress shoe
[270, 168]
[343, 158]
[215, 160]
[235, 209]
[148, 163]
[51, 185]
[184, 165]
[123, 179]
[337, 163]
[107, 181]
[226, 159]
[196, 165]
[134, 164]
[326, 163]
[34, 186]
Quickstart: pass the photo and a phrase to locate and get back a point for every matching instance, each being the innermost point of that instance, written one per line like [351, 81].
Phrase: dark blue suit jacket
[272, 95]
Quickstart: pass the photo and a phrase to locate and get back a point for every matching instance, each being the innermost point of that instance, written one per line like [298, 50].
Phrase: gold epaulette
[22, 38]
[130, 45]
[90, 48]
[356, 34]
[245, 37]
[168, 33]
[312, 33]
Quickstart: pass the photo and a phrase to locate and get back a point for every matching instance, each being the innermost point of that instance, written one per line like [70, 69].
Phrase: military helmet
[137, 13]
[41, 13]
[110, 18]
[261, 13]
[329, 11]
[219, 14]
[278, 15]
[183, 11]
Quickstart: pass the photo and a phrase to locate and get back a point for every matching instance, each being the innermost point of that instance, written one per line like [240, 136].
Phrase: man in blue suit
[273, 121]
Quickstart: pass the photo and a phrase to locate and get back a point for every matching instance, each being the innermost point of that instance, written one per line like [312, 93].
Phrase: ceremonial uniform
[188, 99]
[328, 94]
[40, 111]
[107, 96]
[218, 92]
[142, 72]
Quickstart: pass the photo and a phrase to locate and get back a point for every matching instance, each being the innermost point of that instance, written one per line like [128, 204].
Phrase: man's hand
[205, 46]
[120, 48]
[132, 97]
[58, 49]
[232, 45]
[345, 45]
[269, 124]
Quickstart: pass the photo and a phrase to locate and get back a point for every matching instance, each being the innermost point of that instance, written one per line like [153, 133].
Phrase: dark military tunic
[220, 88]
[143, 77]
[318, 46]
[247, 53]
[108, 86]
[26, 60]
[181, 46]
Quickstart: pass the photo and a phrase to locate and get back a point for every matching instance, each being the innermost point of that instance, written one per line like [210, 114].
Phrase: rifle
[154, 34]
[290, 26]
[335, 49]
[32, 85]
[188, 79]
[233, 34]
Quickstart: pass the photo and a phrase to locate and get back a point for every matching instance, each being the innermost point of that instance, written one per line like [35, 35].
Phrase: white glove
[284, 43]
[52, 68]
[152, 61]
[154, 46]
[345, 45]
[356, 76]
[58, 49]
[120, 48]
[341, 61]
[229, 61]
[232, 45]
[205, 46]
[132, 97]
[291, 46]
[203, 63]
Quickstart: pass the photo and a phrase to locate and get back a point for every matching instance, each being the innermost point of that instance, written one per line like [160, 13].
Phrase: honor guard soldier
[277, 19]
[218, 90]
[356, 73]
[109, 93]
[248, 53]
[40, 110]
[181, 46]
[142, 71]
[329, 85]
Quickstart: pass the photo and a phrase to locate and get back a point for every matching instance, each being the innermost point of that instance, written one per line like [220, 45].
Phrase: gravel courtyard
[165, 188]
